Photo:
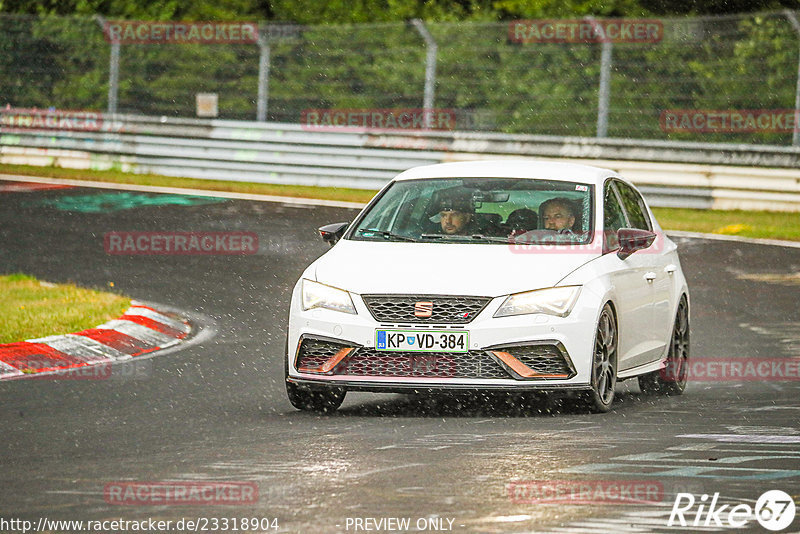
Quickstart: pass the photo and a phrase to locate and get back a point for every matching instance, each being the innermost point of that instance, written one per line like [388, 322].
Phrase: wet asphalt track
[217, 411]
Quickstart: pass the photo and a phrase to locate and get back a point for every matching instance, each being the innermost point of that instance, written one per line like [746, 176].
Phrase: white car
[492, 275]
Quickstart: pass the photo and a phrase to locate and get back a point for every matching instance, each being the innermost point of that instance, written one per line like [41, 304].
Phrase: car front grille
[445, 309]
[370, 362]
[546, 360]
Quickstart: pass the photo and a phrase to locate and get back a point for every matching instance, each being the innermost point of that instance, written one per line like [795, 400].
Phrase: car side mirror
[331, 233]
[633, 239]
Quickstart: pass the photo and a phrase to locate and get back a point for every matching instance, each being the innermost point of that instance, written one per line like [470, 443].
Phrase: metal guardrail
[410, 64]
[701, 175]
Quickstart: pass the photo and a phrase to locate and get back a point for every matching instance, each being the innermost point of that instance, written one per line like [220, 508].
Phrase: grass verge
[119, 177]
[33, 309]
[761, 224]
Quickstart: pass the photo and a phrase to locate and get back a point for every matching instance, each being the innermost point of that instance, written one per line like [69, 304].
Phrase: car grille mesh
[543, 359]
[370, 362]
[314, 353]
[446, 310]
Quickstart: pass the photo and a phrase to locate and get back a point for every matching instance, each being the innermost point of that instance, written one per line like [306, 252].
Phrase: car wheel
[324, 400]
[604, 363]
[671, 380]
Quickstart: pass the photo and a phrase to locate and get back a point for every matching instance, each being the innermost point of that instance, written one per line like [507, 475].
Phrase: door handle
[670, 269]
[650, 276]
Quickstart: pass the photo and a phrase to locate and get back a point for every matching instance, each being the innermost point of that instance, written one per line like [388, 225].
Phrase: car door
[634, 295]
[661, 267]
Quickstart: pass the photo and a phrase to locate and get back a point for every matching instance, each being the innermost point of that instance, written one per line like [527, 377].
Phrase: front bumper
[410, 387]
[507, 353]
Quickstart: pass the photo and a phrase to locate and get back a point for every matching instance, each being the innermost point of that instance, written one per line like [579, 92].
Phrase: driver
[456, 214]
[557, 214]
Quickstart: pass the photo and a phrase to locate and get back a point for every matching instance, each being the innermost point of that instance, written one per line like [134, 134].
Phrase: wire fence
[492, 76]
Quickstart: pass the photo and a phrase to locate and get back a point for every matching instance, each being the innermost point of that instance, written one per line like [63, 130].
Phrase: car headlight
[552, 301]
[316, 295]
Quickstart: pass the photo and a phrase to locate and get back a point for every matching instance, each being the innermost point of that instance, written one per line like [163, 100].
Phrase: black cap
[452, 201]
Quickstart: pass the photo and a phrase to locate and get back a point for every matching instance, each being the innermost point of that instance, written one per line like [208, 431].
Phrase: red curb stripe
[154, 325]
[117, 340]
[36, 357]
[26, 187]
[162, 317]
[161, 312]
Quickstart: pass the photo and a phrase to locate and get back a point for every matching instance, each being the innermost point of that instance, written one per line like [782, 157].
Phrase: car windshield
[480, 210]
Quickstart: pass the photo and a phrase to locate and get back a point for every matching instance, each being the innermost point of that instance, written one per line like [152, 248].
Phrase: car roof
[511, 168]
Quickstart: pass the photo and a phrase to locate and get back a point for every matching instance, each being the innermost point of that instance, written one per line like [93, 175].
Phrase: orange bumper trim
[520, 368]
[332, 362]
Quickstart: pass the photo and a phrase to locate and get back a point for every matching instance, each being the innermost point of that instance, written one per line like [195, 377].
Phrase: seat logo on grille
[423, 309]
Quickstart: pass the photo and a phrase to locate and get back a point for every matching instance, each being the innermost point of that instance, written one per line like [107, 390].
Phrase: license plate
[417, 341]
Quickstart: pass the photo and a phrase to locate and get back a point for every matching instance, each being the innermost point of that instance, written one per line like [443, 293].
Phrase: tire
[671, 380]
[308, 399]
[322, 400]
[604, 364]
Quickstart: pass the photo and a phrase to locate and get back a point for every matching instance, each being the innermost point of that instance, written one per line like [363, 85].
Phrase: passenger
[522, 220]
[558, 214]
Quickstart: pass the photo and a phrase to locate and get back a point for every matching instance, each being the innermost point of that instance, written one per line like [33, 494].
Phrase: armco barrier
[676, 174]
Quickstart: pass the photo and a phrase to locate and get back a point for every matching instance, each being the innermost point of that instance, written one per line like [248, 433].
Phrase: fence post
[604, 88]
[113, 71]
[430, 71]
[113, 79]
[796, 133]
[604, 92]
[263, 77]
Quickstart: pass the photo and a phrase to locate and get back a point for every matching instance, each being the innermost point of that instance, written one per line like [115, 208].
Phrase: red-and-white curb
[140, 330]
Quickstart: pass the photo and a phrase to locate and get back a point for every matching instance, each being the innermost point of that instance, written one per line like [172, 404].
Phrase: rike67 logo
[774, 510]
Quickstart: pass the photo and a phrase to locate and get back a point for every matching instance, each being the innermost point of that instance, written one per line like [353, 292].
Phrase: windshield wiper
[384, 233]
[472, 237]
[493, 239]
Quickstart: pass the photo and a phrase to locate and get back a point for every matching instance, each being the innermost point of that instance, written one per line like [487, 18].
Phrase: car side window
[613, 217]
[634, 207]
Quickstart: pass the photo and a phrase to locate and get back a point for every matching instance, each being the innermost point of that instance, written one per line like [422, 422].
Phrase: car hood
[367, 267]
